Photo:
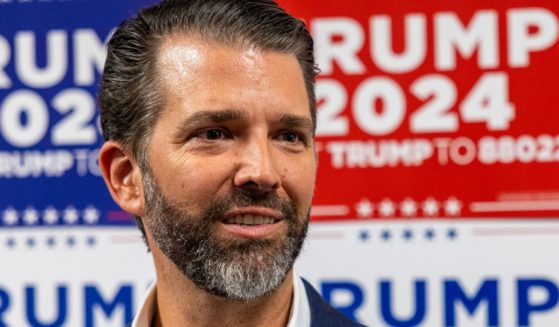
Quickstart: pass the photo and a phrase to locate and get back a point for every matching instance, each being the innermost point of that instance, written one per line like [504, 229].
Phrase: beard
[236, 268]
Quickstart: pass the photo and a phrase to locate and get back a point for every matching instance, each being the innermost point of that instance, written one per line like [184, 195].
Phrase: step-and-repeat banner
[437, 199]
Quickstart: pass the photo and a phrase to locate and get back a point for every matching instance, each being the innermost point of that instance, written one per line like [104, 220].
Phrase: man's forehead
[198, 76]
[195, 46]
[185, 59]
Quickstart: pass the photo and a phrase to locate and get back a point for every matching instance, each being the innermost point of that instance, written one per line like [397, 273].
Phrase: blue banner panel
[51, 57]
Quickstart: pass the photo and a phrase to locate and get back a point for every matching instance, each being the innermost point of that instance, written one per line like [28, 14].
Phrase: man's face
[231, 165]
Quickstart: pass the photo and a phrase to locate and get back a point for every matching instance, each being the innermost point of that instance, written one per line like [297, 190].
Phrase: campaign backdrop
[437, 198]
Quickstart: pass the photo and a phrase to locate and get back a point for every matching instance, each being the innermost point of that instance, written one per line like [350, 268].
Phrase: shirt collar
[299, 316]
[144, 317]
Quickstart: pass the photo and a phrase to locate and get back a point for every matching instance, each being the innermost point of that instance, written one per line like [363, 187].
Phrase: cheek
[197, 182]
[191, 171]
[192, 191]
[194, 183]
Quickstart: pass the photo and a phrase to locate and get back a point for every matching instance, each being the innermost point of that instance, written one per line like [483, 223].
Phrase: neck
[181, 303]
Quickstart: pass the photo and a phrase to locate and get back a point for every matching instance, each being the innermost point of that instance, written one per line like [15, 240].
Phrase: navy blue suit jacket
[322, 314]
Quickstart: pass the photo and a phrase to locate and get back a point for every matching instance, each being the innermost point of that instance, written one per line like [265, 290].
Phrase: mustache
[239, 197]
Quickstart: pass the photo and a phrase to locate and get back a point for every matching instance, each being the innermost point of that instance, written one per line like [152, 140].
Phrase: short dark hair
[128, 97]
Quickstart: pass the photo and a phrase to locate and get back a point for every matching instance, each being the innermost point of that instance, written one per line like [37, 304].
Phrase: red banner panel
[431, 109]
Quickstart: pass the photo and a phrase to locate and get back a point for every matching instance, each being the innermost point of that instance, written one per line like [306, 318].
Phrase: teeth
[250, 220]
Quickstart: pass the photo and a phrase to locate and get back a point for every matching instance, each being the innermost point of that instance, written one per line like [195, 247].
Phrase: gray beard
[238, 269]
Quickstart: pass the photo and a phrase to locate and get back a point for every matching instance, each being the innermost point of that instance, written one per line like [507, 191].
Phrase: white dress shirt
[300, 315]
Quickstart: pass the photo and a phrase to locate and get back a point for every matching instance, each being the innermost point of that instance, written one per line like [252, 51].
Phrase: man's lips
[249, 219]
[252, 216]
[252, 222]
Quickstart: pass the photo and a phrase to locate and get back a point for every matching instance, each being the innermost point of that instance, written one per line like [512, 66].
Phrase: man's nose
[256, 167]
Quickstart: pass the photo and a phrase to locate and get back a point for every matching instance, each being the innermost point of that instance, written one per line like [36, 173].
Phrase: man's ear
[123, 177]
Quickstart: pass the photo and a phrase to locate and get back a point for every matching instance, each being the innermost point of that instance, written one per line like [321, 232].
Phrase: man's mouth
[253, 222]
[248, 219]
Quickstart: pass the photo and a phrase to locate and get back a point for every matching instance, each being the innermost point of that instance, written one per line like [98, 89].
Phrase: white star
[430, 207]
[91, 215]
[71, 215]
[408, 207]
[30, 216]
[452, 206]
[386, 208]
[364, 208]
[50, 215]
[10, 216]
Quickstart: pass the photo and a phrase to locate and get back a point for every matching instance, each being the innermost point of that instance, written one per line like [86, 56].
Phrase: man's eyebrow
[294, 121]
[214, 116]
[200, 118]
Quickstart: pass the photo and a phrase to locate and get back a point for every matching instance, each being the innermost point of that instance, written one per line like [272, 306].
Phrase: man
[208, 112]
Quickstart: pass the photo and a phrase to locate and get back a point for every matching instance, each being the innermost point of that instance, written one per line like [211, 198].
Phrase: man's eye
[211, 134]
[291, 137]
